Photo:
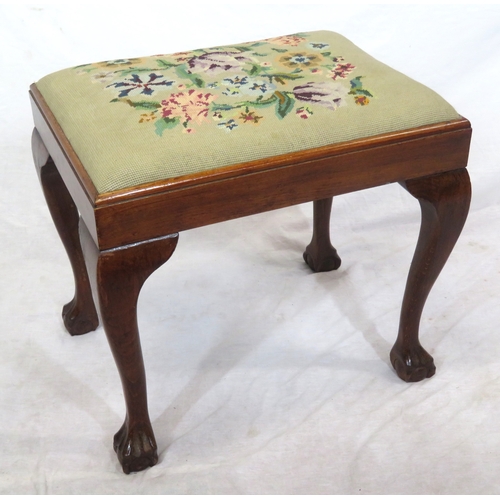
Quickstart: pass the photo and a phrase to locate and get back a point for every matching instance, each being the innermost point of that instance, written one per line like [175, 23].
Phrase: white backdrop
[263, 378]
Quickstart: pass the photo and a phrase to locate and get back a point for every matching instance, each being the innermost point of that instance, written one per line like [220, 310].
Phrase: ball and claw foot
[136, 448]
[78, 321]
[329, 261]
[413, 365]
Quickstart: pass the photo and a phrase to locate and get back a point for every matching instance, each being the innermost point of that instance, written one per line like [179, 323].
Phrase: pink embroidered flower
[291, 40]
[342, 70]
[218, 62]
[303, 113]
[192, 105]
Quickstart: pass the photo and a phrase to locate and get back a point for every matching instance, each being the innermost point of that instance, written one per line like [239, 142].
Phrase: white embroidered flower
[103, 77]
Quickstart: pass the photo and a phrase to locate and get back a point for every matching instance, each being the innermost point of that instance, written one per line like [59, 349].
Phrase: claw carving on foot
[136, 448]
[413, 365]
[320, 255]
[78, 321]
[322, 263]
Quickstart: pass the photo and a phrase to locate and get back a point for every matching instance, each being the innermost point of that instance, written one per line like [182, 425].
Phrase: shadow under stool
[131, 152]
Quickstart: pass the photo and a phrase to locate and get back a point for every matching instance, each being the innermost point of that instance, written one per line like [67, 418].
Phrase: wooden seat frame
[120, 238]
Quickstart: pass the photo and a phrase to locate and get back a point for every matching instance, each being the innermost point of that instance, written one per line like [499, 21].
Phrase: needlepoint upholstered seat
[132, 151]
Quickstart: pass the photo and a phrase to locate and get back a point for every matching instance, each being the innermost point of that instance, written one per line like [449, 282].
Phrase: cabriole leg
[444, 201]
[320, 255]
[79, 314]
[120, 274]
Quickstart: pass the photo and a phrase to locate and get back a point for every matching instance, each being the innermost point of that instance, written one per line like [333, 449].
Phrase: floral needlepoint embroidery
[103, 77]
[119, 63]
[228, 125]
[342, 70]
[148, 117]
[361, 94]
[362, 100]
[184, 107]
[236, 86]
[292, 40]
[326, 94]
[140, 85]
[318, 46]
[303, 113]
[250, 117]
[300, 60]
[218, 62]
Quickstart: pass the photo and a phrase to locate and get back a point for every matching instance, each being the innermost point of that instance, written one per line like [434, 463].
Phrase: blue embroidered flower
[233, 85]
[228, 125]
[136, 84]
[259, 87]
[318, 46]
[245, 85]
[236, 81]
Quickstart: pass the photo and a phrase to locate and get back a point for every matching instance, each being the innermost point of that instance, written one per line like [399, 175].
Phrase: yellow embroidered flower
[103, 77]
[148, 117]
[250, 117]
[117, 63]
[300, 60]
[362, 100]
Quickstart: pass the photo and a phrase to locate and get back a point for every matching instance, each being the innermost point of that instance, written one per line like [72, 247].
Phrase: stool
[131, 152]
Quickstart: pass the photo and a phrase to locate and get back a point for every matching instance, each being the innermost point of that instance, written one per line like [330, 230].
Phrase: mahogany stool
[131, 152]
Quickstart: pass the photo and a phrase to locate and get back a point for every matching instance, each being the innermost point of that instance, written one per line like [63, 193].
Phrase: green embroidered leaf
[326, 54]
[357, 87]
[285, 104]
[129, 71]
[223, 107]
[183, 73]
[242, 48]
[279, 50]
[165, 64]
[255, 69]
[260, 102]
[356, 83]
[142, 104]
[165, 124]
[280, 77]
